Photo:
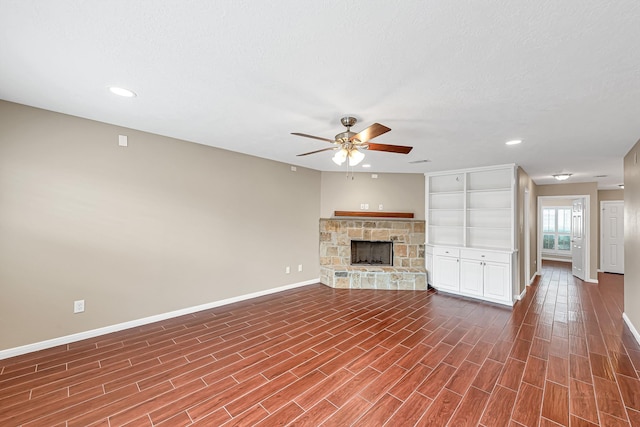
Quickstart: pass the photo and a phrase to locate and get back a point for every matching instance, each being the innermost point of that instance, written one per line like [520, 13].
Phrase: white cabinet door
[496, 281]
[471, 277]
[446, 273]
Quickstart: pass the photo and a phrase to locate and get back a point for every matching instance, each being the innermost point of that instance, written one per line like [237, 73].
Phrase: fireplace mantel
[373, 214]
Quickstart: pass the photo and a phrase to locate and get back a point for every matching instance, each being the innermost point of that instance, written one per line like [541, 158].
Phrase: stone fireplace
[391, 256]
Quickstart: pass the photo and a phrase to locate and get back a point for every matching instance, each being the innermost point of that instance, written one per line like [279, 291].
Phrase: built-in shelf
[470, 219]
[473, 207]
[368, 214]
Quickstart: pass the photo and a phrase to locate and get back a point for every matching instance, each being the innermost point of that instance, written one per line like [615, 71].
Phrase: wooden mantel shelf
[376, 214]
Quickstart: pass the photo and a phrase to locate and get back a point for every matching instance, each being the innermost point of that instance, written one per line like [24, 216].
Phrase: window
[556, 230]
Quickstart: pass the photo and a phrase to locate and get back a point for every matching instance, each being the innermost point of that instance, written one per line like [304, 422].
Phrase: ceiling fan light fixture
[340, 157]
[355, 157]
[562, 176]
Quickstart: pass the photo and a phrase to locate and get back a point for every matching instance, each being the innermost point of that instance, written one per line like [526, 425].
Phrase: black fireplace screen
[371, 252]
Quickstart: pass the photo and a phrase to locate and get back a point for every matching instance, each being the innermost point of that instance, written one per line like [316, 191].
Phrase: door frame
[601, 231]
[586, 255]
[527, 238]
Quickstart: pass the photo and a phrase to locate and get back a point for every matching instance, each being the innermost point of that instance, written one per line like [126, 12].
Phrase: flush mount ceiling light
[120, 91]
[562, 176]
[514, 142]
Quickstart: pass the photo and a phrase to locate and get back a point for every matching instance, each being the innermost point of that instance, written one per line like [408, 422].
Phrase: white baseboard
[17, 351]
[633, 329]
[591, 280]
[521, 296]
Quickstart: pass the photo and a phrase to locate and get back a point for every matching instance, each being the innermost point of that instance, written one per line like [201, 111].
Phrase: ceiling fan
[349, 143]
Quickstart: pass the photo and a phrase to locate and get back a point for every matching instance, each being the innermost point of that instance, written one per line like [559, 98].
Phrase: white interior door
[612, 243]
[577, 238]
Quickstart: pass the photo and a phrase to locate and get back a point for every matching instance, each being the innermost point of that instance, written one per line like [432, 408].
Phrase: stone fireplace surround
[408, 271]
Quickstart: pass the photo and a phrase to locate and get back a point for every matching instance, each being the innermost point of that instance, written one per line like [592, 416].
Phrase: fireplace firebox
[366, 252]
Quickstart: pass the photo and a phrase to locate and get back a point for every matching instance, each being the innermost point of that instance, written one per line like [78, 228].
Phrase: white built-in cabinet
[471, 232]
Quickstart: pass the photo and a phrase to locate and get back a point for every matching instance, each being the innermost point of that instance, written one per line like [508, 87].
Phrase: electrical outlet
[78, 306]
[287, 269]
[380, 207]
[362, 206]
[299, 267]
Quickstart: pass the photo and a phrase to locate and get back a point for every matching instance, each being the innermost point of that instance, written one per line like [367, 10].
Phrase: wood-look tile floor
[320, 356]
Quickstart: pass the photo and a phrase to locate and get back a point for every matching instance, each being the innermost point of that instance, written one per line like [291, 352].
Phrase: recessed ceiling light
[514, 142]
[120, 91]
[366, 165]
[562, 176]
[621, 186]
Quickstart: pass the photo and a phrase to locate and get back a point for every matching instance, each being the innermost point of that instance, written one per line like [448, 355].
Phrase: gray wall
[632, 235]
[158, 226]
[397, 192]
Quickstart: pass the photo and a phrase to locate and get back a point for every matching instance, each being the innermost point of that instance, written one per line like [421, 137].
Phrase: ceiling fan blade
[318, 151]
[371, 132]
[314, 137]
[400, 149]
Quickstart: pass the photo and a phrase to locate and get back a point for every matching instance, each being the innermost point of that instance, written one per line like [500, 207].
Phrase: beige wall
[580, 189]
[603, 196]
[397, 192]
[557, 202]
[632, 236]
[158, 226]
[525, 182]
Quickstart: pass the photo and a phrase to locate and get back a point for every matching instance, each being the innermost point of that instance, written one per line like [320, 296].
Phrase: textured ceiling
[454, 79]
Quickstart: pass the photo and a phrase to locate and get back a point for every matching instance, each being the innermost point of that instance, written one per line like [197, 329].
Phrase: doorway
[580, 216]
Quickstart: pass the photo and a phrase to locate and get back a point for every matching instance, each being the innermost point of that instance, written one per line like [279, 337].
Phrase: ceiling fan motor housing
[348, 121]
[344, 137]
